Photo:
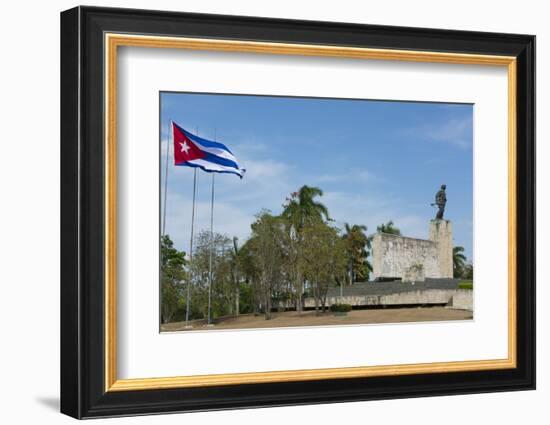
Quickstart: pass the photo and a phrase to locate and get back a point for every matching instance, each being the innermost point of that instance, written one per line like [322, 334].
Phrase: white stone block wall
[393, 255]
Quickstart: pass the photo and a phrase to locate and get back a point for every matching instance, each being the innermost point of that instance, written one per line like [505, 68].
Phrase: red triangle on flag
[184, 149]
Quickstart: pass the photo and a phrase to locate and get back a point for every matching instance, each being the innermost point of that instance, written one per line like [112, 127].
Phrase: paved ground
[309, 318]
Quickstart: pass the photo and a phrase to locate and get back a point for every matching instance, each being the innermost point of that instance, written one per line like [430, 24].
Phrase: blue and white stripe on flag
[193, 151]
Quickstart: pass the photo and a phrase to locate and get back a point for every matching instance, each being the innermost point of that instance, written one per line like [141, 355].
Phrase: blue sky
[375, 161]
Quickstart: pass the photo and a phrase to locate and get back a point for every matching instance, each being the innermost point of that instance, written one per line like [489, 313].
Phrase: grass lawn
[466, 284]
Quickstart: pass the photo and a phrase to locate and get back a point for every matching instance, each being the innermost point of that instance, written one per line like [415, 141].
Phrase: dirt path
[309, 318]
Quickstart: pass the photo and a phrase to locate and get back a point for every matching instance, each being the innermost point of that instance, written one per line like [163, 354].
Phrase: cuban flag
[193, 151]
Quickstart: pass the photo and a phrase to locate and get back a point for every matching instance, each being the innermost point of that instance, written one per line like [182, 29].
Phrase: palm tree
[389, 227]
[459, 259]
[301, 209]
[358, 245]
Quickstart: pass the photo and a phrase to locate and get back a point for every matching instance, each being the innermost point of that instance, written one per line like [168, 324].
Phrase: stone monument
[412, 259]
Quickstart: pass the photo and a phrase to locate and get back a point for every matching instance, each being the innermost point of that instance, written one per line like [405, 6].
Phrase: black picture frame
[83, 392]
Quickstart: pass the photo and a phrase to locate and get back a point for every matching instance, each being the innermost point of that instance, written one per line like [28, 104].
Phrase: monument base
[441, 232]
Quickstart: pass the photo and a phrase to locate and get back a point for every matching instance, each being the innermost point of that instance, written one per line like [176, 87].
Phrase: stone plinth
[441, 232]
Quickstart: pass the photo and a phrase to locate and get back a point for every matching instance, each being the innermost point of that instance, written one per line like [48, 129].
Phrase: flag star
[185, 147]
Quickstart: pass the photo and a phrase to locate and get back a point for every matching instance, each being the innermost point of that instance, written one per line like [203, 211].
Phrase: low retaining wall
[456, 298]
[462, 300]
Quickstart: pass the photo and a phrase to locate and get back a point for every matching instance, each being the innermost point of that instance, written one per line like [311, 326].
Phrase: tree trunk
[299, 290]
[237, 295]
[267, 298]
[257, 301]
[316, 297]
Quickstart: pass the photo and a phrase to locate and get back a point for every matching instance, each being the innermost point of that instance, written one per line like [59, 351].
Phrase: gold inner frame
[113, 41]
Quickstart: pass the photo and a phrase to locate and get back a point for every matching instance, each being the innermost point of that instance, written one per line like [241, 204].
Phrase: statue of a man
[440, 201]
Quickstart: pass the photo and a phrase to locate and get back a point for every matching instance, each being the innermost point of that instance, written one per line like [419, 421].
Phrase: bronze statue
[440, 201]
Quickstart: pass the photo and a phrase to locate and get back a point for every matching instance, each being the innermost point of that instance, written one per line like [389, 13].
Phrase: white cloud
[228, 220]
[456, 132]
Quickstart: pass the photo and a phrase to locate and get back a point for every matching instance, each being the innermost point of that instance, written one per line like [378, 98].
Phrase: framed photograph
[261, 212]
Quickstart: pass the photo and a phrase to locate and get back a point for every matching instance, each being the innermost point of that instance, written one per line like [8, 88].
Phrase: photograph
[280, 211]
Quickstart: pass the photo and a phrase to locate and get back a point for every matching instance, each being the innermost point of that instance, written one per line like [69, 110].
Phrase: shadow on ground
[49, 402]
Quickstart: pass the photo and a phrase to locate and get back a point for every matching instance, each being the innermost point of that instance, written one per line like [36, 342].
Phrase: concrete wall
[463, 300]
[414, 274]
[395, 256]
[456, 298]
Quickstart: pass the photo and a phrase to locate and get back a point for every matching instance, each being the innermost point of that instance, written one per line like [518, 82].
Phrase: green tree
[388, 227]
[459, 259]
[219, 246]
[173, 273]
[249, 288]
[358, 246]
[324, 260]
[468, 272]
[247, 298]
[266, 247]
[300, 209]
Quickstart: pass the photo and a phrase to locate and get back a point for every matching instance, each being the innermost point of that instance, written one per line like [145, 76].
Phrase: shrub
[340, 308]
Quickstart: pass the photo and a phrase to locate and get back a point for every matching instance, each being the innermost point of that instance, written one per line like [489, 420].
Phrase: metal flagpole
[211, 249]
[191, 250]
[163, 233]
[190, 279]
[166, 178]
